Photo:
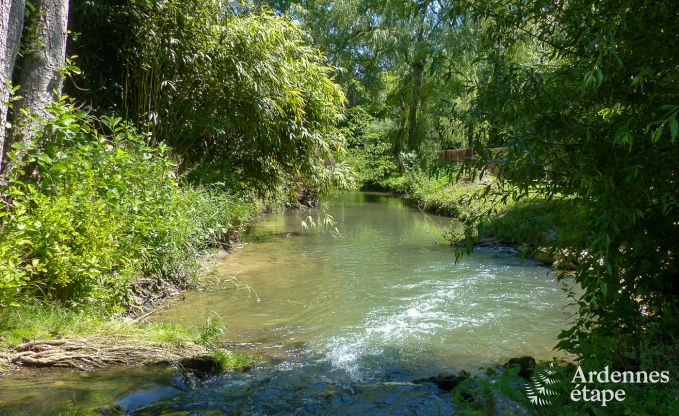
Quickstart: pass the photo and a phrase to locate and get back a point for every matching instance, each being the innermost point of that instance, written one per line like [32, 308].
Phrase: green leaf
[674, 127]
[657, 133]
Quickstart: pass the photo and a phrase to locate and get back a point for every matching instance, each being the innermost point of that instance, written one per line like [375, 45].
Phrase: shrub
[368, 152]
[101, 209]
[235, 87]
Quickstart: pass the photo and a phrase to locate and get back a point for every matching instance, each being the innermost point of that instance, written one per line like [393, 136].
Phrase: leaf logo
[538, 390]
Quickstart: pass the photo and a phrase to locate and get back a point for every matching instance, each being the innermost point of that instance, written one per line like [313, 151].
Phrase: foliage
[398, 57]
[226, 86]
[585, 95]
[438, 194]
[367, 151]
[555, 223]
[373, 164]
[101, 37]
[106, 211]
[640, 399]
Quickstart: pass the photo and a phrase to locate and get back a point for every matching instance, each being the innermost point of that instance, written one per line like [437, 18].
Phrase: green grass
[532, 222]
[229, 360]
[52, 321]
[49, 321]
[441, 196]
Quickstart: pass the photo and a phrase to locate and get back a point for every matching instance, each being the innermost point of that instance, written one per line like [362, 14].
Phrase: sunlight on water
[388, 282]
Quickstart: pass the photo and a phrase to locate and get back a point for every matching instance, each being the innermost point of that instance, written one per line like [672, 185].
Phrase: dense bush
[368, 152]
[585, 95]
[106, 210]
[227, 86]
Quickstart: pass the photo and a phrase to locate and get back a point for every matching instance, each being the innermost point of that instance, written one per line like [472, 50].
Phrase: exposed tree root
[91, 354]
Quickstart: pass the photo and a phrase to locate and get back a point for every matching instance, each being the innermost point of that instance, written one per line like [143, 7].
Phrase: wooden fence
[455, 155]
[493, 157]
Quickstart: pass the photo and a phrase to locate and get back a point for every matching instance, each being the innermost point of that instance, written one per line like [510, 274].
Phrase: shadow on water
[312, 386]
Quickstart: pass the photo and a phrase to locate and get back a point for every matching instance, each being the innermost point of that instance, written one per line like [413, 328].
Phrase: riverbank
[365, 317]
[539, 228]
[90, 334]
[53, 335]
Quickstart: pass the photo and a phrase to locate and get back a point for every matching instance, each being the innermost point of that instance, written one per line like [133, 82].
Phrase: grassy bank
[538, 227]
[43, 335]
[439, 195]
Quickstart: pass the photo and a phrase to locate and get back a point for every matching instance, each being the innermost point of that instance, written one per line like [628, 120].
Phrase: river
[348, 313]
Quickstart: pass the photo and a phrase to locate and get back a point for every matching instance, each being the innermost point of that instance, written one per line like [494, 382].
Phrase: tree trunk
[11, 25]
[418, 73]
[41, 73]
[418, 64]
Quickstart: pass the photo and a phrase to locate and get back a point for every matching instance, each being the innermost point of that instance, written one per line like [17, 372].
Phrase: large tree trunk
[41, 73]
[11, 25]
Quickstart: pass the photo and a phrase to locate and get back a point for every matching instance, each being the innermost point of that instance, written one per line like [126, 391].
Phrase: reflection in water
[361, 314]
[51, 391]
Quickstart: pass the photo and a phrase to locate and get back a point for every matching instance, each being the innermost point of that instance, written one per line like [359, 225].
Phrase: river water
[349, 313]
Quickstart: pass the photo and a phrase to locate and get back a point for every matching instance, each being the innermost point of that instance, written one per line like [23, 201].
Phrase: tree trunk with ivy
[11, 25]
[41, 77]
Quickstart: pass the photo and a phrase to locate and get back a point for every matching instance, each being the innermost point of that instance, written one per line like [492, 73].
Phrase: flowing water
[349, 316]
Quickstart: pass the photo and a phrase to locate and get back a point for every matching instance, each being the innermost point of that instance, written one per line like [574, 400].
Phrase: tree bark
[41, 73]
[418, 64]
[418, 74]
[11, 25]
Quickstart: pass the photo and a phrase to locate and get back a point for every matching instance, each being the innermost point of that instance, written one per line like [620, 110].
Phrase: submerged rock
[446, 382]
[203, 366]
[526, 365]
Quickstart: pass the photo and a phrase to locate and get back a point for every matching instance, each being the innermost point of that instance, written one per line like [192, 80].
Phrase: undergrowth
[108, 210]
[441, 194]
[44, 321]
